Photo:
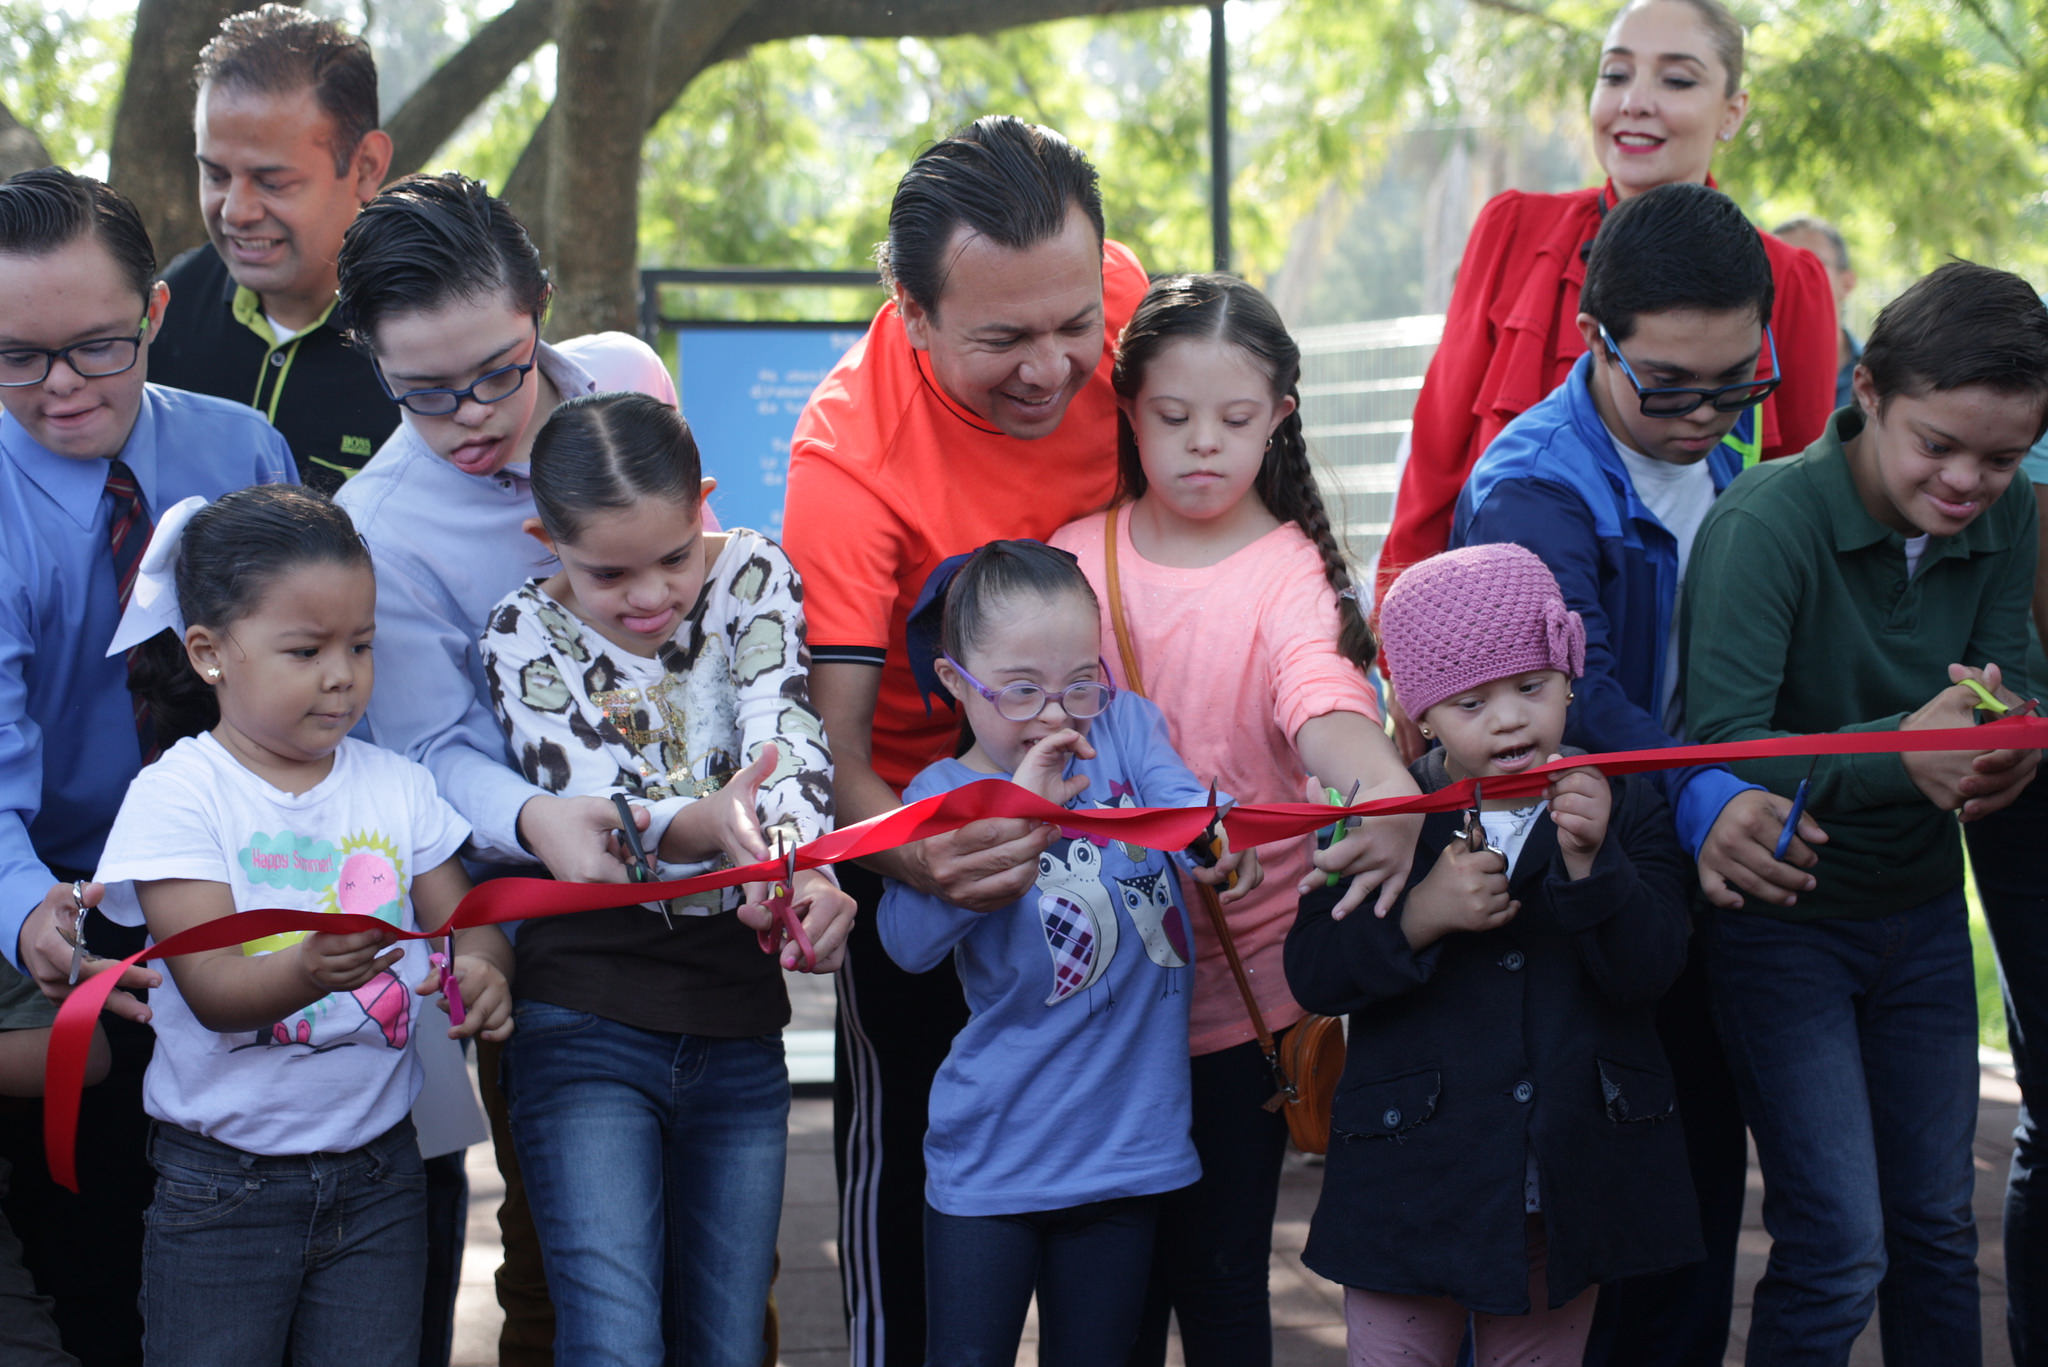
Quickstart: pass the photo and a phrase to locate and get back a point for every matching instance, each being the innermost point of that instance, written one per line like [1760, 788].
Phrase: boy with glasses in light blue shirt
[89, 453]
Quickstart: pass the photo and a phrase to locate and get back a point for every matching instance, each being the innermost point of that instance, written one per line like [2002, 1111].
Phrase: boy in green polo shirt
[1850, 588]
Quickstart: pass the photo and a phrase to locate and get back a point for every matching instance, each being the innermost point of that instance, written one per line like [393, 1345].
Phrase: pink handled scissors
[449, 986]
[784, 925]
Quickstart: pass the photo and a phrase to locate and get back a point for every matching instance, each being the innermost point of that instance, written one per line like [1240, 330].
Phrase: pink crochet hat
[1471, 616]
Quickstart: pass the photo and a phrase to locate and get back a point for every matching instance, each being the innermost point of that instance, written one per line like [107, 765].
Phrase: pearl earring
[1425, 732]
[213, 672]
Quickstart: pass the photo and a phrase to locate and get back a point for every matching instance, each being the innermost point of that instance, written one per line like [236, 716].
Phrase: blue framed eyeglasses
[1676, 402]
[1024, 701]
[493, 386]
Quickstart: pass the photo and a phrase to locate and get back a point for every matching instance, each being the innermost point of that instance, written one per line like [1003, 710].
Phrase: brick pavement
[1307, 1311]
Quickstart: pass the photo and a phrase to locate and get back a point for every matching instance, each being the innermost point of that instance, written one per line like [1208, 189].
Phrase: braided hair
[1224, 308]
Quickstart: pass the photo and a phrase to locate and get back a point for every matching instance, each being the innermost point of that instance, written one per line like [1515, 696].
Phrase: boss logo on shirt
[355, 446]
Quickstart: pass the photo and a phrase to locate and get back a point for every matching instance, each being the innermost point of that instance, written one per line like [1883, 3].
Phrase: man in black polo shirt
[289, 150]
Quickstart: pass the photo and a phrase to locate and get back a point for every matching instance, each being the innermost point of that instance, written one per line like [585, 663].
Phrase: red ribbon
[1159, 828]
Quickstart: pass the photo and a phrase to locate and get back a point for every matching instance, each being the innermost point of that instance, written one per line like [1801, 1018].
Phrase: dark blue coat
[1466, 1056]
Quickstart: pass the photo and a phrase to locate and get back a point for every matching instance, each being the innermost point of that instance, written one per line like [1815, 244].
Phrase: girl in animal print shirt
[665, 665]
[1061, 1113]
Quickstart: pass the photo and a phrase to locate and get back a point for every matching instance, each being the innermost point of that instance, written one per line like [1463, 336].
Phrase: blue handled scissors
[1799, 796]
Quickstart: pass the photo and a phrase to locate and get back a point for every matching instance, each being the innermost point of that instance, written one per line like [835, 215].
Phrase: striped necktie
[128, 529]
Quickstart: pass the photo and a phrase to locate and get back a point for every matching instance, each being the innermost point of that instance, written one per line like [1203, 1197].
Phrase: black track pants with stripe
[894, 1031]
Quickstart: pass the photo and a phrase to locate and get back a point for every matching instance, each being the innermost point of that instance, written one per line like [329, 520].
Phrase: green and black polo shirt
[320, 394]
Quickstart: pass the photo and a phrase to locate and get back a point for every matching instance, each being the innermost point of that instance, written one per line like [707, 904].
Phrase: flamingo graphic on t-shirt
[384, 1002]
[368, 884]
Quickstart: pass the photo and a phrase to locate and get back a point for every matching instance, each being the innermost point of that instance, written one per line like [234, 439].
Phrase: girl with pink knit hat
[1504, 1137]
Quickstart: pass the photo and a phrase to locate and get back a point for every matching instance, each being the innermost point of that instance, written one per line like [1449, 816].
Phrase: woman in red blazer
[1669, 91]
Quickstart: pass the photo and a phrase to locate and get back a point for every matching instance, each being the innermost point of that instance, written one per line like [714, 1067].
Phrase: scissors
[1207, 848]
[1987, 701]
[1338, 829]
[784, 924]
[79, 953]
[639, 868]
[1474, 834]
[1799, 796]
[449, 987]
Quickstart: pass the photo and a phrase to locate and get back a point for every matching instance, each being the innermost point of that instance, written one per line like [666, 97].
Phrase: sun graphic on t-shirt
[370, 881]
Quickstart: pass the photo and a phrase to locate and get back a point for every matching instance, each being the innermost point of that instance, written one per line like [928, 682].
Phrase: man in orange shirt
[978, 406]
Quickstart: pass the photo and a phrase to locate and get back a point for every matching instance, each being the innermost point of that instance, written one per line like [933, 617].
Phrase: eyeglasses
[22, 366]
[493, 386]
[1024, 701]
[1676, 403]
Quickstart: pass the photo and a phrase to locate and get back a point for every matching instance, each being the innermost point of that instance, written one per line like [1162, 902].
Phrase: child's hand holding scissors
[1215, 864]
[803, 917]
[1376, 853]
[1972, 783]
[1466, 889]
[476, 995]
[1236, 872]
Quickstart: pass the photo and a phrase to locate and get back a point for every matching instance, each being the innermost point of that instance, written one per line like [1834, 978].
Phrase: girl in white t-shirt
[1246, 627]
[290, 1210]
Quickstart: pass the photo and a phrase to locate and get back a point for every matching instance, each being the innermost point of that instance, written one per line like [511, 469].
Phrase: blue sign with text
[742, 387]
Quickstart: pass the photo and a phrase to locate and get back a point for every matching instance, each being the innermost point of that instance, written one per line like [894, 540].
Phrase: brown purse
[1309, 1056]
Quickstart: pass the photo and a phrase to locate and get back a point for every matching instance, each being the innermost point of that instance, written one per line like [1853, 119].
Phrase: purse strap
[1135, 682]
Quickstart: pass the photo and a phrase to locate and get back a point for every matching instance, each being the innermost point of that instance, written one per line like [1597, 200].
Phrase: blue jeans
[1215, 1244]
[1088, 1265]
[246, 1257]
[653, 1163]
[1680, 1318]
[2009, 854]
[1854, 1049]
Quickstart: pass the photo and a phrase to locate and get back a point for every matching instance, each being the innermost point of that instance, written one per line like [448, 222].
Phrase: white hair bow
[153, 603]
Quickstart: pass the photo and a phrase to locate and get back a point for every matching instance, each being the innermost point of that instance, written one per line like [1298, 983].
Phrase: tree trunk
[432, 113]
[686, 33]
[603, 64]
[151, 157]
[20, 149]
[687, 37]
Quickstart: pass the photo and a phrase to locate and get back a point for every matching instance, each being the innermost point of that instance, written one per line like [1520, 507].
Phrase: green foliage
[60, 74]
[1914, 126]
[789, 155]
[488, 144]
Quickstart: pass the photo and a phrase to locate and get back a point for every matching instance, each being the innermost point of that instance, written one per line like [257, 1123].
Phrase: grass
[1990, 1005]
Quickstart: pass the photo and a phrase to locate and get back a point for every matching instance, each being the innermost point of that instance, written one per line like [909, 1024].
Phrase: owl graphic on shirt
[1152, 907]
[1078, 917]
